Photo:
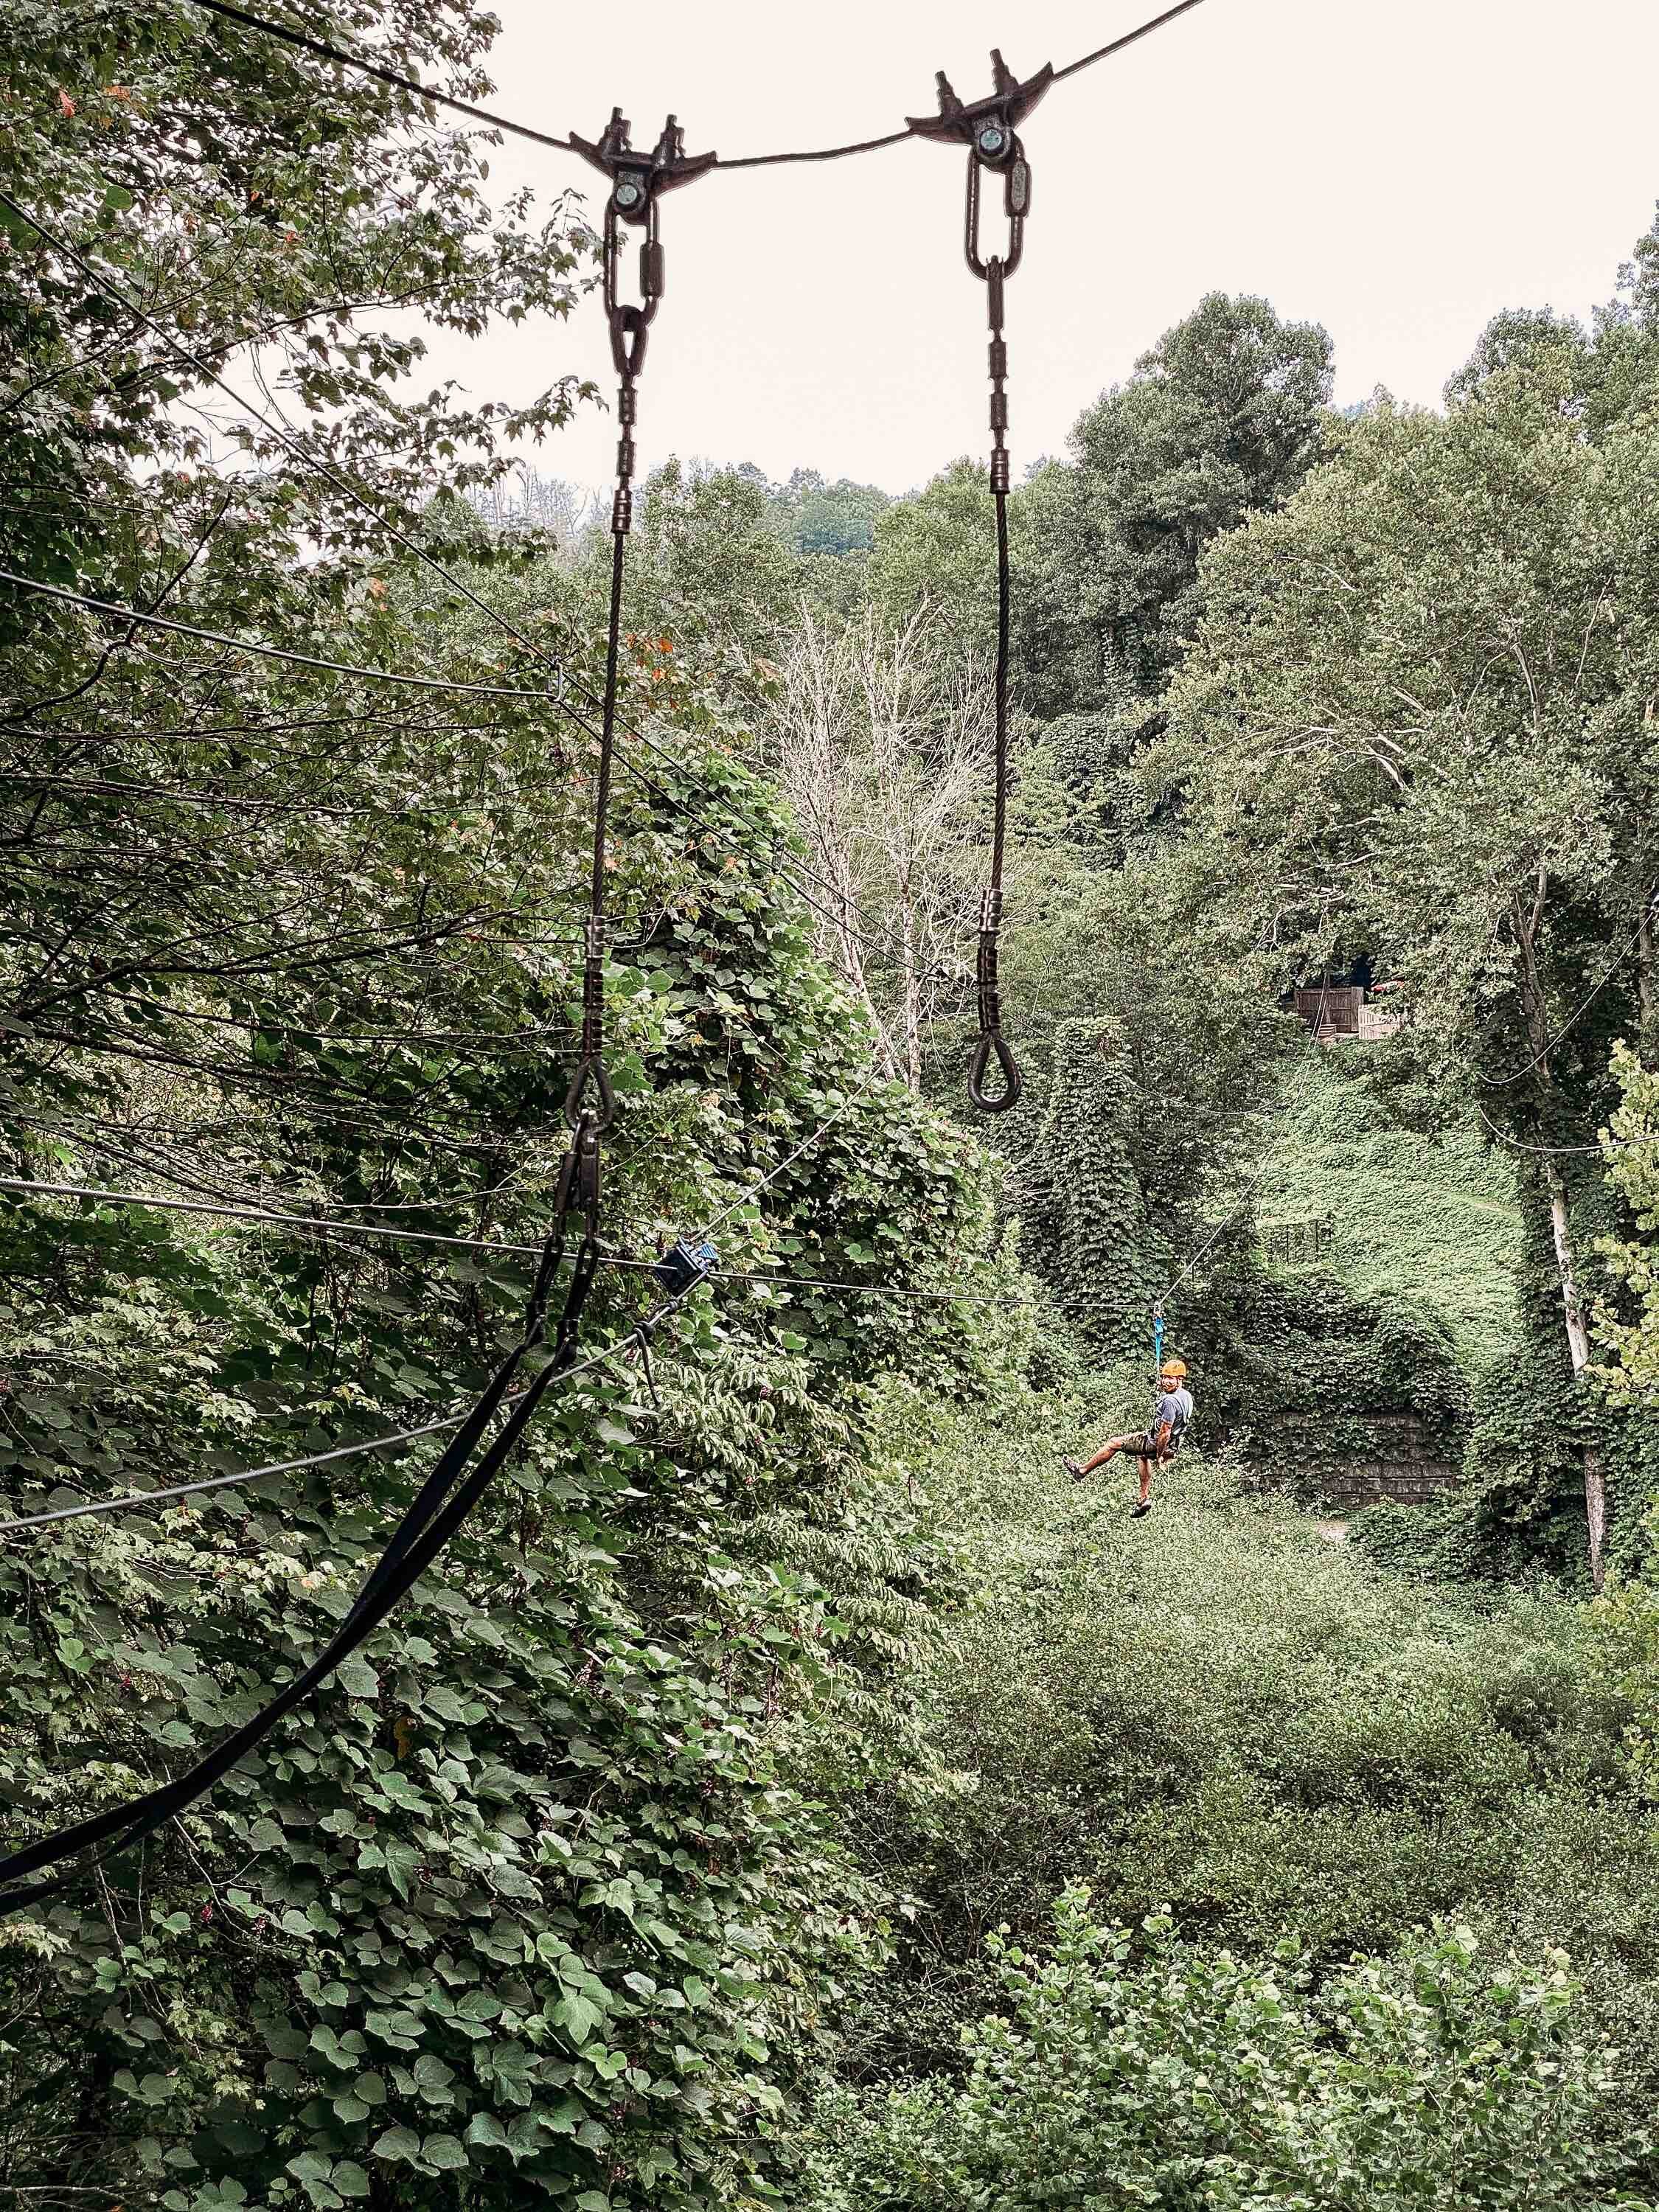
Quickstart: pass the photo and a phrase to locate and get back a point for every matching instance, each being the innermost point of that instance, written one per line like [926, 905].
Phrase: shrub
[1138, 2070]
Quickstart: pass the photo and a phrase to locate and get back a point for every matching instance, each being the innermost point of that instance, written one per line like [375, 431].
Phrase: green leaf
[357, 1678]
[398, 2143]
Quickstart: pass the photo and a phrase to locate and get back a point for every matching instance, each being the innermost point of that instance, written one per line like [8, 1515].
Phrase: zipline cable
[1564, 1151]
[247, 645]
[1503, 1082]
[327, 1225]
[326, 52]
[227, 1481]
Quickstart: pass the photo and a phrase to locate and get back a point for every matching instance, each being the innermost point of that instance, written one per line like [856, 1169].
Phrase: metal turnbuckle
[590, 1067]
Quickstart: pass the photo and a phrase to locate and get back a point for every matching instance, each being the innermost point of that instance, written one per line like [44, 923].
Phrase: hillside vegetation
[547, 1655]
[1436, 1218]
[1247, 1745]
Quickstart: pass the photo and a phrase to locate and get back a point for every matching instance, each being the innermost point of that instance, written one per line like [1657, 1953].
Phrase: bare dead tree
[882, 736]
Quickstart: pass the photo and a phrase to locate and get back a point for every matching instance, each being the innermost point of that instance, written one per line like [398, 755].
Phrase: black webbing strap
[444, 1502]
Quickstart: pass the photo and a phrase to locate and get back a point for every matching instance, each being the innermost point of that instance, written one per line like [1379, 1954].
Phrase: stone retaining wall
[1405, 1471]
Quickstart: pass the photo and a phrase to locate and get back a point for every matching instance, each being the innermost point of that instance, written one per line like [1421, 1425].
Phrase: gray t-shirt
[1166, 1406]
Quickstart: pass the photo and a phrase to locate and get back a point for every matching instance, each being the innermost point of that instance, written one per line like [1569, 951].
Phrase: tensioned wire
[325, 51]
[142, 1498]
[323, 1224]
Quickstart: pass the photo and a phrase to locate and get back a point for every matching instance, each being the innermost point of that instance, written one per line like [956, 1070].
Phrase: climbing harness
[989, 128]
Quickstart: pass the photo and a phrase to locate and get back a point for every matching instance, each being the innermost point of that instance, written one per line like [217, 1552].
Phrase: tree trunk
[1572, 1306]
[1595, 1480]
[912, 997]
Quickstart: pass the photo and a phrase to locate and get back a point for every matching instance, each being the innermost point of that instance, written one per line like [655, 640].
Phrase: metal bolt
[992, 139]
[629, 191]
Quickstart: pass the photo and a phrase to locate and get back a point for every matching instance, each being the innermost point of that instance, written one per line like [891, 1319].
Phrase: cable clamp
[989, 128]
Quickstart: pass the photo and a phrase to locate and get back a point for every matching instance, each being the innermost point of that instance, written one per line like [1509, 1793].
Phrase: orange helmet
[1173, 1370]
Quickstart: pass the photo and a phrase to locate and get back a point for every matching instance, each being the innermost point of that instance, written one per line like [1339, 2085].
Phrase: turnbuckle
[578, 1189]
[637, 182]
[590, 1068]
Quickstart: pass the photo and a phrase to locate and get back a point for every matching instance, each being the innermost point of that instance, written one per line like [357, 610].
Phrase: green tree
[1146, 2071]
[1222, 417]
[1412, 727]
[544, 1891]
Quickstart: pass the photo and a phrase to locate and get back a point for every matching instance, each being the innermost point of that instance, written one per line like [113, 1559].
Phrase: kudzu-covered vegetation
[790, 1788]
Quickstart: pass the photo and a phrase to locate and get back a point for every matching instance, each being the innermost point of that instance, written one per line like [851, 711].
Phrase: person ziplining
[1155, 1445]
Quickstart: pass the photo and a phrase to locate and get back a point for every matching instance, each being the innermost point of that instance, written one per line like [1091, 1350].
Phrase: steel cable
[326, 52]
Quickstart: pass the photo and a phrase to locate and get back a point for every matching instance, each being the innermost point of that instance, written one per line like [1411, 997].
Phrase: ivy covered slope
[1437, 1221]
[534, 1891]
[1127, 1202]
[541, 1900]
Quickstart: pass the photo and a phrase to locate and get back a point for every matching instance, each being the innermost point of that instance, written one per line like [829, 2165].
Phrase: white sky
[1397, 170]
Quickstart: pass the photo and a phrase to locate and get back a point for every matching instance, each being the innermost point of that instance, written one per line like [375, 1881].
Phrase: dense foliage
[1184, 2075]
[791, 1787]
[543, 1896]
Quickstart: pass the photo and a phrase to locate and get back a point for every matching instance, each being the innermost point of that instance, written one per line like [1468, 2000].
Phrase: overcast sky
[1395, 171]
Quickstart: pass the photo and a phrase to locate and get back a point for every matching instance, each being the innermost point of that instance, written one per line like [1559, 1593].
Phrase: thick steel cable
[325, 51]
[1127, 38]
[227, 1481]
[247, 645]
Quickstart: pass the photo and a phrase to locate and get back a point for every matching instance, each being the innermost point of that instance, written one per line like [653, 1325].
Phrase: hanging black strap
[989, 128]
[442, 1503]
